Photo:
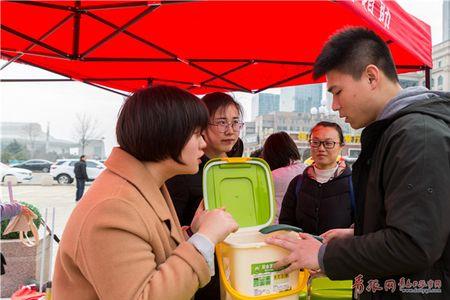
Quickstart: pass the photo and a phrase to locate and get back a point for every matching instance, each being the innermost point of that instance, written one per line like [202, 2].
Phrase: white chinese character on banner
[382, 8]
[370, 6]
[387, 18]
[363, 3]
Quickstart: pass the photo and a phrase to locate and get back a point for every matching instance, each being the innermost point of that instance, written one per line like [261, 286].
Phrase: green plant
[15, 235]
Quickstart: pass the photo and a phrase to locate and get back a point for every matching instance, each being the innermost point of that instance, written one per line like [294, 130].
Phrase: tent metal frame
[75, 14]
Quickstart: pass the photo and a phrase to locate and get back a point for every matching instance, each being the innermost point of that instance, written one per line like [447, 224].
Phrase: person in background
[221, 137]
[400, 245]
[282, 155]
[320, 199]
[80, 176]
[124, 241]
[257, 153]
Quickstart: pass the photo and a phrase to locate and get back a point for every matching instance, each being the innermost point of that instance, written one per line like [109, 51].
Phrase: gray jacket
[402, 225]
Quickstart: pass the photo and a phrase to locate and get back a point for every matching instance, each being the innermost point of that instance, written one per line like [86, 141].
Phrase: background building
[36, 143]
[446, 21]
[264, 103]
[440, 74]
[307, 96]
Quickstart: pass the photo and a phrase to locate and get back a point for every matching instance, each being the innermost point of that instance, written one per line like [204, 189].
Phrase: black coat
[80, 170]
[402, 187]
[319, 206]
[186, 193]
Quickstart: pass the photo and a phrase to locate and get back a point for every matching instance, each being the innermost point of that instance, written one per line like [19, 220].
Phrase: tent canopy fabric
[202, 46]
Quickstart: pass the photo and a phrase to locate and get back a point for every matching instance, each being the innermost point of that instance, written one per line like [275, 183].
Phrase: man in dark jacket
[400, 247]
[80, 176]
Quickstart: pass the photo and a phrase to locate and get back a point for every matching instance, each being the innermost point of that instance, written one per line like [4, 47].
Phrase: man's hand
[304, 252]
[337, 233]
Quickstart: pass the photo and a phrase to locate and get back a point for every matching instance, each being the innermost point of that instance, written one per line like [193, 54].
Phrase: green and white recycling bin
[244, 187]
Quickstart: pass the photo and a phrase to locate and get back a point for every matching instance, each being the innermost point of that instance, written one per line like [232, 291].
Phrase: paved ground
[61, 197]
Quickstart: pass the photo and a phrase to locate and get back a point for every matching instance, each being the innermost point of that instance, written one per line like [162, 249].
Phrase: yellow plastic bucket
[240, 258]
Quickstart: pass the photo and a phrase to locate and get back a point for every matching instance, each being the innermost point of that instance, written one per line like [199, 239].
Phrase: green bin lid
[244, 187]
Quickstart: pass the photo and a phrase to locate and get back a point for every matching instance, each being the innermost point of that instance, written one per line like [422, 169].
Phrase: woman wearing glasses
[321, 198]
[222, 140]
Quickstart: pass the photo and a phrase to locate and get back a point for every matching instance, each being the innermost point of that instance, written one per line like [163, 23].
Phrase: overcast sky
[58, 103]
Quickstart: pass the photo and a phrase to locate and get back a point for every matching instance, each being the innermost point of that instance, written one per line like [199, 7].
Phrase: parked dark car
[35, 165]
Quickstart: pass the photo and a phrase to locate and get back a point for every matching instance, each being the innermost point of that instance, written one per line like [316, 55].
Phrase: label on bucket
[268, 281]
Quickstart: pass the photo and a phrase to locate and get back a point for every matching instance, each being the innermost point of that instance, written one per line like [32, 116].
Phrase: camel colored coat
[123, 241]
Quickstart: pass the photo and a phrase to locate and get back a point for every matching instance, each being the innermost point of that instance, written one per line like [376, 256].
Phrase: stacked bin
[244, 187]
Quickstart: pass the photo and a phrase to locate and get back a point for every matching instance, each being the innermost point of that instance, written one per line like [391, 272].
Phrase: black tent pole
[427, 77]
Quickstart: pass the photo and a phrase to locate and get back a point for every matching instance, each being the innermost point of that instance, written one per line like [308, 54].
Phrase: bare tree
[86, 128]
[32, 132]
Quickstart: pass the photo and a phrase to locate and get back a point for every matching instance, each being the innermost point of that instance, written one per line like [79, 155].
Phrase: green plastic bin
[244, 187]
[324, 288]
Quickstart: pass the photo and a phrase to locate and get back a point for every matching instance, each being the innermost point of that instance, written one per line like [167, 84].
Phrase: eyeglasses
[223, 126]
[326, 144]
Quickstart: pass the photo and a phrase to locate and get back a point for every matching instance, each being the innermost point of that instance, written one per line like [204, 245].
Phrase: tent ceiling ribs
[188, 62]
[255, 60]
[119, 30]
[151, 80]
[218, 76]
[132, 35]
[47, 5]
[131, 4]
[76, 31]
[34, 41]
[106, 89]
[31, 53]
[284, 80]
[230, 71]
[43, 37]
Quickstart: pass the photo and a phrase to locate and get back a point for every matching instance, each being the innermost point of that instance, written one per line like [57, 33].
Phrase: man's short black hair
[82, 156]
[156, 123]
[280, 150]
[351, 50]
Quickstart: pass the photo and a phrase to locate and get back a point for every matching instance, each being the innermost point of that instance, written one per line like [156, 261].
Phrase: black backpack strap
[298, 186]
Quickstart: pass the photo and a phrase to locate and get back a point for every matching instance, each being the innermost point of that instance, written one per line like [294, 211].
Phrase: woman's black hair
[156, 123]
[220, 101]
[280, 150]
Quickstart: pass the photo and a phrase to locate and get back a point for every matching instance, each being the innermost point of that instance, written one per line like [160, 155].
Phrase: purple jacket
[9, 210]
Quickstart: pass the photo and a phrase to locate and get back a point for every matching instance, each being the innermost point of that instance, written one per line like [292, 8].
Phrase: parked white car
[21, 175]
[62, 170]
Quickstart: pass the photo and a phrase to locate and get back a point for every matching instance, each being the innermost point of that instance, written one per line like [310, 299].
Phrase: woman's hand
[337, 233]
[216, 224]
[197, 217]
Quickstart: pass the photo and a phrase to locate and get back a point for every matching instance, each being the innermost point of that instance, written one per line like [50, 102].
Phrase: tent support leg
[427, 77]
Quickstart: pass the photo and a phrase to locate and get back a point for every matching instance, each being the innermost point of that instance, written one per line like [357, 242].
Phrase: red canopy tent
[202, 46]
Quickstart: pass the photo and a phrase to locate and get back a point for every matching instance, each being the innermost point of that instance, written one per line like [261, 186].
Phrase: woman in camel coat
[123, 239]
